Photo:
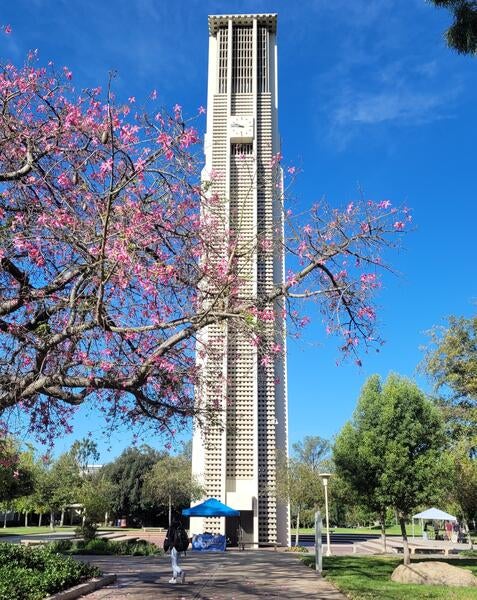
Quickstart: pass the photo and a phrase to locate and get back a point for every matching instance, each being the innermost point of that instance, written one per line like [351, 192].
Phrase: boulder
[433, 572]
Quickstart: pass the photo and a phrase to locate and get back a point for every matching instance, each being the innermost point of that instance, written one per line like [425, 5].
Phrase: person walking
[176, 541]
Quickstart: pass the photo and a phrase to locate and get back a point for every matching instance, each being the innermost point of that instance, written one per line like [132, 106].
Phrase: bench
[34, 542]
[242, 545]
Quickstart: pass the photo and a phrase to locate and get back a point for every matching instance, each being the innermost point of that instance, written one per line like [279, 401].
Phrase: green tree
[462, 34]
[464, 481]
[355, 458]
[127, 474]
[26, 503]
[170, 483]
[392, 450]
[298, 480]
[84, 451]
[451, 362]
[16, 478]
[58, 485]
[312, 451]
[97, 495]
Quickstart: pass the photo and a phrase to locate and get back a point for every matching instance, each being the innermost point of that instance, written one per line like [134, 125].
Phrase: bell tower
[237, 461]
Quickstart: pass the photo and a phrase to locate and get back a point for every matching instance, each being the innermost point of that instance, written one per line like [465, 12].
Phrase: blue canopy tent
[206, 542]
[210, 508]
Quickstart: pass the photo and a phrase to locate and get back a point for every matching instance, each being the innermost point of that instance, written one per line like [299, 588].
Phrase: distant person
[176, 541]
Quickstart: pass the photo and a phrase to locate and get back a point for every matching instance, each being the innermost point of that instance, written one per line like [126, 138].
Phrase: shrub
[33, 573]
[296, 549]
[124, 548]
[61, 546]
[87, 531]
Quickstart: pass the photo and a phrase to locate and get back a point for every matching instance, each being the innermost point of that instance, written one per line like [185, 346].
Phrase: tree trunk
[170, 510]
[106, 517]
[407, 556]
[52, 520]
[383, 532]
[40, 519]
[467, 530]
[26, 518]
[62, 518]
[5, 519]
[297, 532]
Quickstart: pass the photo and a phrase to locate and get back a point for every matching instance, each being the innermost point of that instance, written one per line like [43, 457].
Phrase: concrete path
[230, 576]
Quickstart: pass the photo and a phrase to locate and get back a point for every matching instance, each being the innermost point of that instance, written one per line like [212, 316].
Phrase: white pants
[176, 570]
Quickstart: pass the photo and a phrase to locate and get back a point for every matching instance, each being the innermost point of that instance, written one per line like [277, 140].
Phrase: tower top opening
[268, 20]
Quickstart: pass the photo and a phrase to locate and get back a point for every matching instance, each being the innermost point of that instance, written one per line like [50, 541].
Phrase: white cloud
[407, 106]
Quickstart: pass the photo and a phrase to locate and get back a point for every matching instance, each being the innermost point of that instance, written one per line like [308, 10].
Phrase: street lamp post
[324, 478]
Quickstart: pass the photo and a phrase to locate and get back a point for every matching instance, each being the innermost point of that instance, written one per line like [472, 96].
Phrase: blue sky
[370, 99]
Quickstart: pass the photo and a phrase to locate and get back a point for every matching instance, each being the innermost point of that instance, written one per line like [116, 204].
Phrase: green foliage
[391, 453]
[451, 362]
[369, 578]
[170, 482]
[127, 474]
[298, 479]
[84, 452]
[33, 573]
[462, 34]
[16, 478]
[464, 481]
[86, 530]
[97, 495]
[313, 451]
[299, 549]
[58, 483]
[101, 546]
[61, 546]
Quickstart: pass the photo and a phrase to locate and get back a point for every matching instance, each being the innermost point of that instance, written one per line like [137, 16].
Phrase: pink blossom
[291, 170]
[64, 180]
[7, 30]
[349, 208]
[384, 204]
[367, 312]
[132, 99]
[302, 248]
[177, 111]
[399, 225]
[368, 278]
[266, 244]
[202, 110]
[189, 137]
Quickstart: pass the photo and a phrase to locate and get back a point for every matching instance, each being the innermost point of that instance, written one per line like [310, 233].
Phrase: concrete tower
[237, 460]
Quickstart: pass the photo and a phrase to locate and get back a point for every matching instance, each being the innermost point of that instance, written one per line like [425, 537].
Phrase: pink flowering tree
[109, 265]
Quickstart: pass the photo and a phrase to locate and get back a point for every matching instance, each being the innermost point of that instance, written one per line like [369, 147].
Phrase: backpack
[181, 539]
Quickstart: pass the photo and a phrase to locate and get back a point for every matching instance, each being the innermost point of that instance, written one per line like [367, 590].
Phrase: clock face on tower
[241, 129]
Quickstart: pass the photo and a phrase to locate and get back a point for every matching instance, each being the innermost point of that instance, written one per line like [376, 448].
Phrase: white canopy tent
[431, 514]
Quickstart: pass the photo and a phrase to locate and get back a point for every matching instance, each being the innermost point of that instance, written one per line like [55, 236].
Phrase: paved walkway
[229, 576]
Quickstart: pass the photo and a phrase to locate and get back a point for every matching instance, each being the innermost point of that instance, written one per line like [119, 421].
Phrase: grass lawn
[369, 578]
[33, 530]
[394, 530]
[66, 529]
